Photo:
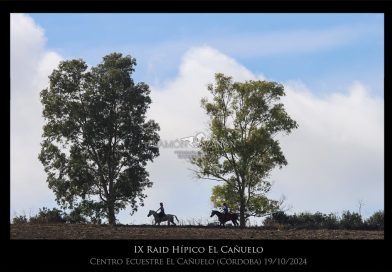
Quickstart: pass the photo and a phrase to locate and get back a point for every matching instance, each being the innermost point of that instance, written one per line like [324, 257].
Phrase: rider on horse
[162, 213]
[225, 209]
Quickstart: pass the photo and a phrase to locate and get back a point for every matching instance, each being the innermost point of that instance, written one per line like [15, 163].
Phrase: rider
[162, 210]
[225, 209]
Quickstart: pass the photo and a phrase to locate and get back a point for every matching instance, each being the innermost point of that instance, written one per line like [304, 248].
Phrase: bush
[21, 219]
[331, 221]
[79, 215]
[376, 221]
[75, 217]
[317, 220]
[48, 216]
[351, 220]
[303, 220]
[280, 218]
[307, 220]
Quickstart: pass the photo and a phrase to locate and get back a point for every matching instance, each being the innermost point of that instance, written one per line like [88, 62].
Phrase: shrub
[75, 217]
[21, 219]
[280, 218]
[308, 220]
[331, 221]
[351, 220]
[376, 221]
[277, 220]
[48, 216]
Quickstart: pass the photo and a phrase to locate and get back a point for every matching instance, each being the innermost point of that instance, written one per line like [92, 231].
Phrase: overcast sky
[332, 67]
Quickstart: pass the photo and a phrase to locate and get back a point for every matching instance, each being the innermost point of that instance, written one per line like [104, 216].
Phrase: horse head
[213, 212]
[151, 212]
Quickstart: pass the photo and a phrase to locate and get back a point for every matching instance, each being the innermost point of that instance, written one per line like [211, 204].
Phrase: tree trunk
[111, 215]
[242, 212]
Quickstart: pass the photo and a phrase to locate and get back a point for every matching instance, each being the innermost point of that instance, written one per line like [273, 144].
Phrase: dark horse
[223, 218]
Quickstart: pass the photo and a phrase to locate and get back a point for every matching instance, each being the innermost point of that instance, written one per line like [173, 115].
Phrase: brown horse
[223, 218]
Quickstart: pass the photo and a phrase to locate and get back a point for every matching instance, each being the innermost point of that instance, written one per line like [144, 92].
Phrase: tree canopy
[242, 148]
[96, 139]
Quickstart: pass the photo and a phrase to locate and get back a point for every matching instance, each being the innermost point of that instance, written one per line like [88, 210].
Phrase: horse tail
[176, 218]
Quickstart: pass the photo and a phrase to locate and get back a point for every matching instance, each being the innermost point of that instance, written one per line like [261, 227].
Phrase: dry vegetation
[145, 232]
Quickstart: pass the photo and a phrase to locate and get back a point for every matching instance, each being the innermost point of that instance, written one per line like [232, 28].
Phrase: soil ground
[146, 232]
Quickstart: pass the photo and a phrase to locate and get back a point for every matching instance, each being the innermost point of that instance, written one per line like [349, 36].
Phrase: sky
[331, 65]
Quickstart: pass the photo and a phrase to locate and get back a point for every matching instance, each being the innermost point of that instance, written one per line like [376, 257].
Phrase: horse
[223, 218]
[167, 217]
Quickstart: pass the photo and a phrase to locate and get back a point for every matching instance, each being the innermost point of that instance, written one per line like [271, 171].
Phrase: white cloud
[26, 40]
[176, 105]
[336, 157]
[31, 63]
[352, 118]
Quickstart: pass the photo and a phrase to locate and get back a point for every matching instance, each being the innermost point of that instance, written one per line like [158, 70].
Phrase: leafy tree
[96, 140]
[241, 149]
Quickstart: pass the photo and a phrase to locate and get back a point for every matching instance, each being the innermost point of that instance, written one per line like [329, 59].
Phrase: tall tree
[241, 149]
[96, 139]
